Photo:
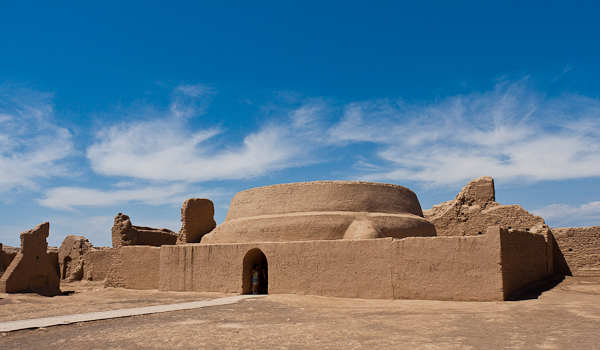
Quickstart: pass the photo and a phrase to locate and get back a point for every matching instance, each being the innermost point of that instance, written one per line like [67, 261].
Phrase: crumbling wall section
[524, 257]
[31, 270]
[580, 248]
[53, 256]
[125, 234]
[70, 257]
[8, 254]
[474, 209]
[197, 219]
[134, 267]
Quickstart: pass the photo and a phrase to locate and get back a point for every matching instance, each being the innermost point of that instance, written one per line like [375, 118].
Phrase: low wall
[341, 268]
[485, 267]
[97, 264]
[580, 247]
[448, 268]
[524, 258]
[134, 267]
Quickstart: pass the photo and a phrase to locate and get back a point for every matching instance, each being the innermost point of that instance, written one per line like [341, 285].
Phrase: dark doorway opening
[255, 258]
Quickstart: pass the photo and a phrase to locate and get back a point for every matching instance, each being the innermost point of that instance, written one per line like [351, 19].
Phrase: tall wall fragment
[31, 270]
[197, 219]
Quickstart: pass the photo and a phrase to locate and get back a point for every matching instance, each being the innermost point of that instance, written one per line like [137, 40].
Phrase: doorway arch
[66, 267]
[255, 257]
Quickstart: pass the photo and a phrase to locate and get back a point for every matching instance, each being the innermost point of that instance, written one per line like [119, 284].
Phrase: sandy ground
[564, 317]
[84, 296]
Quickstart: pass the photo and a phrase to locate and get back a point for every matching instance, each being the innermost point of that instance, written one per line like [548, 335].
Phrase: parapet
[322, 210]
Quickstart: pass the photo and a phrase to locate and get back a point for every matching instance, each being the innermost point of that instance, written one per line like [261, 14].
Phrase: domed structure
[322, 210]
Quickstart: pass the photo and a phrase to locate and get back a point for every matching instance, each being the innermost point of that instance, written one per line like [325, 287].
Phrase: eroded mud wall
[134, 267]
[524, 258]
[580, 248]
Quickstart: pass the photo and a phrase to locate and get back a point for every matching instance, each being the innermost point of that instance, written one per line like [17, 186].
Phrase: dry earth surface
[564, 317]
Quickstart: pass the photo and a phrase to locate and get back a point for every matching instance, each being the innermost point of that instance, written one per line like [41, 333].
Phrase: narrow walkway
[103, 315]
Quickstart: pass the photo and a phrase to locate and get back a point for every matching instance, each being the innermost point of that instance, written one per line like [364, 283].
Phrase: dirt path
[565, 317]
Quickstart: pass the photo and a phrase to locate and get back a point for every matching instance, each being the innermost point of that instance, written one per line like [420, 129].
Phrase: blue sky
[132, 107]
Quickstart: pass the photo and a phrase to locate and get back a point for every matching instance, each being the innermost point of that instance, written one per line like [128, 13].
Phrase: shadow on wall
[255, 257]
[560, 263]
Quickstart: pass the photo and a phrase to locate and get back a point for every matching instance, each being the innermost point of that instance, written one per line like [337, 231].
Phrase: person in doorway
[255, 273]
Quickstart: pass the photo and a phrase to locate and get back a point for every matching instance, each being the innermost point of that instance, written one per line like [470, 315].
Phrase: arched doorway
[255, 257]
[66, 268]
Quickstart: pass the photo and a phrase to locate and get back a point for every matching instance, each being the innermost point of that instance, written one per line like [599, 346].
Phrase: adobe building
[341, 239]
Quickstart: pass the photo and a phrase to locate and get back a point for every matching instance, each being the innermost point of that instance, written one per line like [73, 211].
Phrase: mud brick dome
[323, 210]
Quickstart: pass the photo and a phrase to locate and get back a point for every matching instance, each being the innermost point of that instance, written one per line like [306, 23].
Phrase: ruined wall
[32, 270]
[125, 234]
[474, 209]
[197, 219]
[97, 263]
[134, 267]
[70, 257]
[524, 257]
[53, 256]
[7, 254]
[580, 247]
[448, 268]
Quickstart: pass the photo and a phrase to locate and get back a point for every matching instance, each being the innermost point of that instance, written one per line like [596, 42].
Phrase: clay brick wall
[134, 267]
[341, 268]
[441, 268]
[524, 258]
[580, 247]
[154, 237]
[7, 257]
[448, 268]
[97, 264]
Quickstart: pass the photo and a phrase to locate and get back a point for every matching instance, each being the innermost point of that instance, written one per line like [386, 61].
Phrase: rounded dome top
[324, 196]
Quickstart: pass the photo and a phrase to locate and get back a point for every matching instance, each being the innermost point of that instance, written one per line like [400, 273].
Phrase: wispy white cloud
[31, 146]
[68, 198]
[166, 150]
[512, 133]
[562, 215]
